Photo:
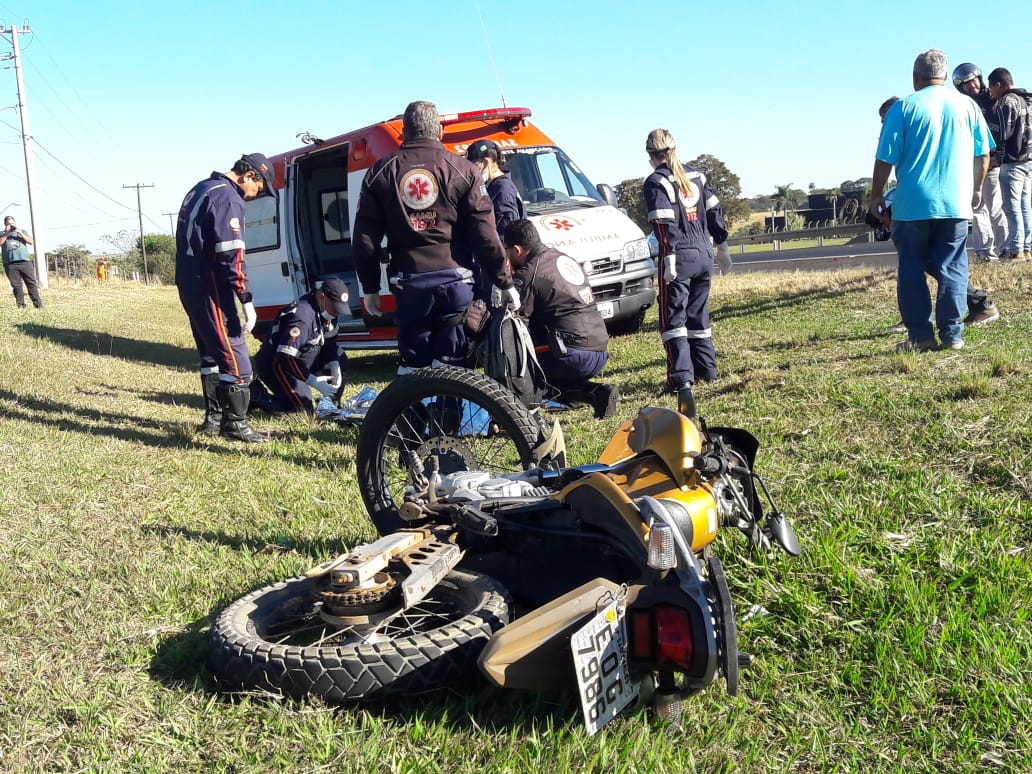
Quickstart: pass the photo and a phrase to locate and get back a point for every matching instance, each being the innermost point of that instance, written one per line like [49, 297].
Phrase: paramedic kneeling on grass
[569, 334]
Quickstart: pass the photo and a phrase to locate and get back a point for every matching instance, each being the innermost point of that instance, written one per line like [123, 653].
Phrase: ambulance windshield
[546, 178]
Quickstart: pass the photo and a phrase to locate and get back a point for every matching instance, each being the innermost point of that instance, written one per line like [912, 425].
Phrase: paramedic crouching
[568, 332]
[302, 342]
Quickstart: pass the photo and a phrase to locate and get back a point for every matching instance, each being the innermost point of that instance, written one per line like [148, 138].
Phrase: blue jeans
[936, 248]
[1016, 187]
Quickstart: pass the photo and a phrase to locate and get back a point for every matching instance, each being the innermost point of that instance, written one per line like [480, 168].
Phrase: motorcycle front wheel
[275, 639]
[464, 419]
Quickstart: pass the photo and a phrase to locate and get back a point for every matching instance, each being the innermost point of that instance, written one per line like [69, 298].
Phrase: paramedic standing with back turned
[433, 207]
[684, 213]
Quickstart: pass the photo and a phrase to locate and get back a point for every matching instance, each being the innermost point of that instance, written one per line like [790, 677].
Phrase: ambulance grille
[602, 266]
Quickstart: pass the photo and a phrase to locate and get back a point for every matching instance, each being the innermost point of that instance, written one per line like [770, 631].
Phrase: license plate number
[600, 659]
[605, 308]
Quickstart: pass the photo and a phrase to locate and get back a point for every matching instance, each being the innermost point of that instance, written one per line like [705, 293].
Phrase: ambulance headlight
[638, 250]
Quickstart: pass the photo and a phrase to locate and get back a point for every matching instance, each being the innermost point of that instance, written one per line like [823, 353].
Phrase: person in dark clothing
[302, 342]
[18, 264]
[1010, 121]
[685, 215]
[433, 207]
[212, 279]
[505, 199]
[568, 332]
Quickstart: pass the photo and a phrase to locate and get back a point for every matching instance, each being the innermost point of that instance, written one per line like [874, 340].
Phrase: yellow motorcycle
[494, 552]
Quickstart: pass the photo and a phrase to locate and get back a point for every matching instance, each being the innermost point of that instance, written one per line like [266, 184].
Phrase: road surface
[880, 255]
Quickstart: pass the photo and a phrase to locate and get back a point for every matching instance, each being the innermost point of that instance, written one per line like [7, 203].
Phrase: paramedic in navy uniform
[505, 199]
[569, 334]
[302, 342]
[433, 207]
[684, 213]
[212, 278]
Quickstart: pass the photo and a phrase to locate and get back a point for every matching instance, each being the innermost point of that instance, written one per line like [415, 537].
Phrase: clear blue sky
[121, 93]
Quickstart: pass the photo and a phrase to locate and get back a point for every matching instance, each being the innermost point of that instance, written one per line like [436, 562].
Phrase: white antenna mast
[490, 53]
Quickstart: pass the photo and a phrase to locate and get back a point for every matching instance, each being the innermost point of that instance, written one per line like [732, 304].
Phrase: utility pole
[139, 211]
[30, 167]
[171, 223]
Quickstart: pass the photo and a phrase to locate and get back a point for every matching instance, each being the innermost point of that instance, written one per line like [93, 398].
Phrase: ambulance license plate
[605, 308]
[600, 659]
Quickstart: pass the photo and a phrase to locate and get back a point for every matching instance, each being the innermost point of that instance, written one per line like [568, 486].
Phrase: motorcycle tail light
[662, 634]
[661, 547]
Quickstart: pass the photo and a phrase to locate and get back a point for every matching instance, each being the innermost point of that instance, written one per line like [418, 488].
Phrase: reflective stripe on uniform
[712, 201]
[684, 333]
[193, 215]
[232, 244]
[208, 370]
[660, 215]
[288, 351]
[668, 189]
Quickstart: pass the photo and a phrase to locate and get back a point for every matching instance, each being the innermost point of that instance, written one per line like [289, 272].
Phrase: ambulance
[304, 234]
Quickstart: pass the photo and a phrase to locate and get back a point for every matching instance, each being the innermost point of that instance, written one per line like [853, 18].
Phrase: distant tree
[833, 197]
[726, 185]
[161, 253]
[70, 261]
[125, 245]
[782, 199]
[161, 256]
[630, 199]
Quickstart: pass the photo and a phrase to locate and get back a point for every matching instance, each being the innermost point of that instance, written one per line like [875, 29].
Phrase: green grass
[899, 641]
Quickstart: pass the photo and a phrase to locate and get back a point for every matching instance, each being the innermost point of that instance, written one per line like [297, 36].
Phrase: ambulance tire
[274, 640]
[628, 325]
[406, 418]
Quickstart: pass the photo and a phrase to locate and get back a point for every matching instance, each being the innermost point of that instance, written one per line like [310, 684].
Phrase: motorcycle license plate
[605, 308]
[600, 659]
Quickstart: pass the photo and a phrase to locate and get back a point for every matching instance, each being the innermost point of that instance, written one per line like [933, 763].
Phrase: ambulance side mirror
[607, 194]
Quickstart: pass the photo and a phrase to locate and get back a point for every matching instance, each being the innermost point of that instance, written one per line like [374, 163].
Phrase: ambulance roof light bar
[510, 113]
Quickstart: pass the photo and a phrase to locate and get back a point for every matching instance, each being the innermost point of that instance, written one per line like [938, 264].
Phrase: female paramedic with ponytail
[684, 214]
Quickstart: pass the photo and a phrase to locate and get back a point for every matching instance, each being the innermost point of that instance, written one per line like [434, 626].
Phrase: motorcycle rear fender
[533, 652]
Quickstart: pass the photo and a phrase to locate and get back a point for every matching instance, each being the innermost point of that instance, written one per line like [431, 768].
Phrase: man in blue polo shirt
[939, 143]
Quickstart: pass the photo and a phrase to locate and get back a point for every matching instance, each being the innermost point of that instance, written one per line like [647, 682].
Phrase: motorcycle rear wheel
[466, 419]
[274, 639]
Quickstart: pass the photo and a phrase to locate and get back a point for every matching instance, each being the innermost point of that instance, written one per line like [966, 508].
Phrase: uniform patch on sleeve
[234, 223]
[294, 332]
[570, 270]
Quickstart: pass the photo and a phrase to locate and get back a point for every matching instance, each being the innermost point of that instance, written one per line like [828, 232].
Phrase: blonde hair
[661, 145]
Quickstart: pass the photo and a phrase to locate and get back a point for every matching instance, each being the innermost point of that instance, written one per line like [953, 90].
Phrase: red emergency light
[492, 114]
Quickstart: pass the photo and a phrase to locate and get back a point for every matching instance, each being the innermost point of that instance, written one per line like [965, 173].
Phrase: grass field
[899, 641]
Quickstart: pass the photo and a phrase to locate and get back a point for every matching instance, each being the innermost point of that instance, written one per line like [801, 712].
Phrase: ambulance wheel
[628, 325]
[276, 640]
[460, 417]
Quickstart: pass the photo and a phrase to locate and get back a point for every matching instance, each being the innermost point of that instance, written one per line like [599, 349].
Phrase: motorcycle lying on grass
[494, 553]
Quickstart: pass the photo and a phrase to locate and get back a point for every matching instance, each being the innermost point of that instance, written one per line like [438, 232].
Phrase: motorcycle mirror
[686, 401]
[782, 531]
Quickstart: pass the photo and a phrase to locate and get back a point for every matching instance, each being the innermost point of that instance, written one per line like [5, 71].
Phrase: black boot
[234, 400]
[212, 413]
[603, 399]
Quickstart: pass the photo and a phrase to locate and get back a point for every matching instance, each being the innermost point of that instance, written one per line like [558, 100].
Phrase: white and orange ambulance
[304, 234]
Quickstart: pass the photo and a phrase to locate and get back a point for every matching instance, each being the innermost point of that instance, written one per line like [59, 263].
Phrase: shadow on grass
[98, 343]
[41, 411]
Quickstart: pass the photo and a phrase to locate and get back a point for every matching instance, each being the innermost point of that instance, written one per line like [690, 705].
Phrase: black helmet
[964, 72]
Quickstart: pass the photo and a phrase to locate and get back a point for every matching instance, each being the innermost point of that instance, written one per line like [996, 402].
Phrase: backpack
[506, 352]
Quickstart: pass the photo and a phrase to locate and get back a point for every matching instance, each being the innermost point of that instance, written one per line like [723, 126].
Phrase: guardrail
[820, 234]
